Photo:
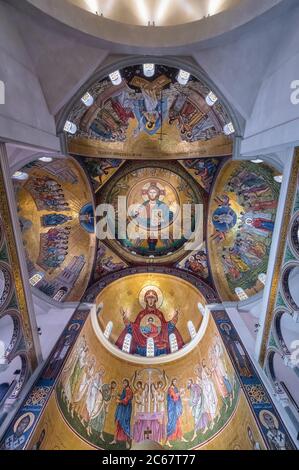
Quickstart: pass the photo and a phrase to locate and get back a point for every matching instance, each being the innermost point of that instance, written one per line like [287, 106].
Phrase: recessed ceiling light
[229, 129]
[183, 77]
[211, 99]
[20, 175]
[149, 70]
[70, 127]
[46, 159]
[115, 77]
[87, 99]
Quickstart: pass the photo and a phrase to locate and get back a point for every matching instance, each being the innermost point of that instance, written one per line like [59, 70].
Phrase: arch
[286, 378]
[15, 376]
[10, 334]
[60, 294]
[6, 285]
[289, 284]
[293, 235]
[285, 330]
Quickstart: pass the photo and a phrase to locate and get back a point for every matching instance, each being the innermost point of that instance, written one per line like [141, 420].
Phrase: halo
[31, 421]
[74, 326]
[262, 419]
[226, 324]
[148, 185]
[147, 288]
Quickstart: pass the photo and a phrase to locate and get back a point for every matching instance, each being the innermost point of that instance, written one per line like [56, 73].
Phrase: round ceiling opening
[155, 12]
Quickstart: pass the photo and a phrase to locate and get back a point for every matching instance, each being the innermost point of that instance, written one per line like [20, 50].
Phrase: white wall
[275, 120]
[25, 116]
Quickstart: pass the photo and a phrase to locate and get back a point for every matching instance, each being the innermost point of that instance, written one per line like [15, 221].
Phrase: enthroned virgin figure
[150, 323]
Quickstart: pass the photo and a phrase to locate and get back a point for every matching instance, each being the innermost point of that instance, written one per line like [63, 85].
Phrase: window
[150, 347]
[46, 159]
[60, 294]
[262, 278]
[87, 99]
[70, 127]
[241, 293]
[35, 279]
[127, 343]
[183, 77]
[108, 330]
[115, 77]
[149, 70]
[229, 129]
[20, 175]
[201, 308]
[211, 99]
[173, 343]
[191, 329]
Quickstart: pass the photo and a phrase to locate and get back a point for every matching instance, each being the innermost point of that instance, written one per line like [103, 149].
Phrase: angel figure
[140, 395]
[158, 391]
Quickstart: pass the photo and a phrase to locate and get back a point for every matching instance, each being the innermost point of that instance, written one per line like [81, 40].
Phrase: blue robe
[174, 411]
[123, 414]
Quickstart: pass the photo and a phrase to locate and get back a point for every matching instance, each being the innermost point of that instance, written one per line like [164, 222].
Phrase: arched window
[36, 278]
[115, 78]
[108, 330]
[60, 294]
[262, 278]
[87, 99]
[127, 343]
[99, 308]
[20, 175]
[173, 343]
[201, 308]
[241, 293]
[191, 329]
[150, 347]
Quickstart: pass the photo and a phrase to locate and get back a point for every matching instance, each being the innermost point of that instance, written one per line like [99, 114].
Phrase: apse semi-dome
[242, 212]
[161, 397]
[134, 114]
[55, 208]
[149, 318]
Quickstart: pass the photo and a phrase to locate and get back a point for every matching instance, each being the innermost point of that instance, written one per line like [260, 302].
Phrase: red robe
[138, 339]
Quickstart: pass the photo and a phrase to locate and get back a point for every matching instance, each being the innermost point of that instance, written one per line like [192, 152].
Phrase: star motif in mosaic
[257, 394]
[38, 396]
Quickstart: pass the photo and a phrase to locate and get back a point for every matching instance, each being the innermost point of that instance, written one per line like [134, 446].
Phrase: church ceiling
[145, 117]
[168, 186]
[60, 229]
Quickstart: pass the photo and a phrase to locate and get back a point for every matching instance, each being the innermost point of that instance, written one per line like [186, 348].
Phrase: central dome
[155, 195]
[159, 12]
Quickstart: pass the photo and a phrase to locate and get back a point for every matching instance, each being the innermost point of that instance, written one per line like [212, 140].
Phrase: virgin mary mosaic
[150, 323]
